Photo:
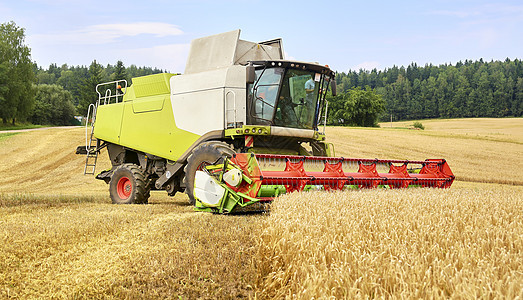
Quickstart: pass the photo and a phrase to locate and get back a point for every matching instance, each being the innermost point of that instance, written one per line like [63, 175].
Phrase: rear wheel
[205, 154]
[128, 185]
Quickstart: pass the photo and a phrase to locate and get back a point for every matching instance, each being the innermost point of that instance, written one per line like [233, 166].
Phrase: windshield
[286, 98]
[265, 93]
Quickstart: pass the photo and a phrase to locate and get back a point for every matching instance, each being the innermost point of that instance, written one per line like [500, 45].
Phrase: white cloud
[168, 57]
[366, 65]
[133, 29]
[106, 33]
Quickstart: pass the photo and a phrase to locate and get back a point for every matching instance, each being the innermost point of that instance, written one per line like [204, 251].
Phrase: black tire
[207, 152]
[128, 185]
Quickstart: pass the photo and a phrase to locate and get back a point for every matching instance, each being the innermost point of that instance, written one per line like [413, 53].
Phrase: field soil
[44, 162]
[61, 237]
[31, 129]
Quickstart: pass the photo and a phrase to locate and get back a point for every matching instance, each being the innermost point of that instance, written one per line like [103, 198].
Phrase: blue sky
[343, 34]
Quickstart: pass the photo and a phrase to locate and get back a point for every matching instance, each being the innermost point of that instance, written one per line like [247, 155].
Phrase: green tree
[88, 93]
[16, 93]
[401, 93]
[428, 90]
[484, 96]
[45, 77]
[72, 79]
[335, 109]
[441, 94]
[53, 106]
[358, 107]
[415, 102]
[4, 77]
[517, 104]
[119, 72]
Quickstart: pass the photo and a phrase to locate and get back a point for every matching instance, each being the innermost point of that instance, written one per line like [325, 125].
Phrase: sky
[346, 35]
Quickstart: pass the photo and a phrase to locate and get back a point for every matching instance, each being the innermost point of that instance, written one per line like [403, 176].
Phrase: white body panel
[226, 49]
[199, 112]
[209, 100]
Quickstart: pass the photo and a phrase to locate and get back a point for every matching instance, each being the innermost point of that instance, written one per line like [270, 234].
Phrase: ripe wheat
[416, 243]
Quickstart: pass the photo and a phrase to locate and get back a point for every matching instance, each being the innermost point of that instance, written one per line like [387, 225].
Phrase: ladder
[91, 158]
[92, 143]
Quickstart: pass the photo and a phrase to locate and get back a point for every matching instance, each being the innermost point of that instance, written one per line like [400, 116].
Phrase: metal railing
[114, 90]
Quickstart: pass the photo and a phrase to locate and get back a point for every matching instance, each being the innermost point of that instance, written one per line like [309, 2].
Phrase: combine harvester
[239, 127]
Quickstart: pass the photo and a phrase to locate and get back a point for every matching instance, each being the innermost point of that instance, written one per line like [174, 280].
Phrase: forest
[466, 89]
[81, 81]
[65, 91]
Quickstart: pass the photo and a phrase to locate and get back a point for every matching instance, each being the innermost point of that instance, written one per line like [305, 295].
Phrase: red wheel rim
[124, 188]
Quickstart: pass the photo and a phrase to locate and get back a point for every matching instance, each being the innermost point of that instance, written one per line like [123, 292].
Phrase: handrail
[233, 108]
[325, 116]
[88, 143]
[108, 95]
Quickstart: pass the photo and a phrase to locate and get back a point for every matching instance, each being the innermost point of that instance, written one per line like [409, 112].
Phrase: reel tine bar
[433, 173]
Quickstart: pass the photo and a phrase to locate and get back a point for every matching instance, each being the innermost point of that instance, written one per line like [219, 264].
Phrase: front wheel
[128, 185]
[203, 155]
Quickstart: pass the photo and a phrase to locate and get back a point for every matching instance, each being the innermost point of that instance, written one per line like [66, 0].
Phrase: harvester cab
[224, 130]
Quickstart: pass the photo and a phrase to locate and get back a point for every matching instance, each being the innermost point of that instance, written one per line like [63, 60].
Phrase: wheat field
[61, 238]
[417, 243]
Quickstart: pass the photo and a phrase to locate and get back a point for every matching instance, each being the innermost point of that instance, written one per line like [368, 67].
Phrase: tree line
[466, 89]
[53, 95]
[81, 81]
[65, 91]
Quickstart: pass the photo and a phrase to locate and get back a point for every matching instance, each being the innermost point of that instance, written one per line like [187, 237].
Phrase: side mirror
[333, 87]
[251, 74]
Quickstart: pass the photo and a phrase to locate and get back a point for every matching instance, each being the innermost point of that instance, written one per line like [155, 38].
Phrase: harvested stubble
[477, 150]
[416, 243]
[84, 248]
[44, 162]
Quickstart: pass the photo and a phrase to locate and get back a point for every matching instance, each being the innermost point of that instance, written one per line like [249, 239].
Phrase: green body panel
[151, 85]
[150, 104]
[144, 123]
[154, 131]
[109, 122]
